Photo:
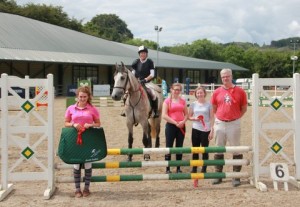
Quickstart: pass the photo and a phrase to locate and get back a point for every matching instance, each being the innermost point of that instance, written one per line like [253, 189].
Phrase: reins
[140, 90]
[130, 104]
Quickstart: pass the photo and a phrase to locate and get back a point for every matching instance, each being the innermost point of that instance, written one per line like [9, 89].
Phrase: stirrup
[155, 115]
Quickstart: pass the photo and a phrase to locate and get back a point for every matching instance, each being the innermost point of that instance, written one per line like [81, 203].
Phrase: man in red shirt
[229, 105]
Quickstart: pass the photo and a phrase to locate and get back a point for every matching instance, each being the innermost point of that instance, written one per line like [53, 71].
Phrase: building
[34, 48]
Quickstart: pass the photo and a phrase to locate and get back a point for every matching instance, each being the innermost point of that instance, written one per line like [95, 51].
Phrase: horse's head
[122, 81]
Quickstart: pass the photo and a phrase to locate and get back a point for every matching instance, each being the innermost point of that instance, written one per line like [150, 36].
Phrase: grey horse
[137, 107]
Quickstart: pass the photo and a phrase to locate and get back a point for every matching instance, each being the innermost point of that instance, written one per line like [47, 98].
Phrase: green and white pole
[178, 150]
[175, 176]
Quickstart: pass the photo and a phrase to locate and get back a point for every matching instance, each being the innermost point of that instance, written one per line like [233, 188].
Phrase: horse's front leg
[130, 140]
[146, 139]
[157, 140]
[149, 136]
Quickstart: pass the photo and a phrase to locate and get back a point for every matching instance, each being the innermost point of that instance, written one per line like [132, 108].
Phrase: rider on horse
[144, 71]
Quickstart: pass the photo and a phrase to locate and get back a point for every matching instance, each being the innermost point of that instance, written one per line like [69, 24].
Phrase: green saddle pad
[93, 146]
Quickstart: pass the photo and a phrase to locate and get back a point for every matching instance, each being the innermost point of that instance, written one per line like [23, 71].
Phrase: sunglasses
[176, 89]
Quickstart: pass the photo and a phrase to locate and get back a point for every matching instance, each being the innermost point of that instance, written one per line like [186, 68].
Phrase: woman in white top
[200, 112]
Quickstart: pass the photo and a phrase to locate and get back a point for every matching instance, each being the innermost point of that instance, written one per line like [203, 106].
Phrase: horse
[137, 107]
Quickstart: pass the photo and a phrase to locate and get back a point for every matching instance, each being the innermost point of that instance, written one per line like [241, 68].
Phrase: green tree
[181, 49]
[252, 60]
[202, 49]
[205, 49]
[108, 26]
[233, 54]
[50, 14]
[138, 42]
[272, 64]
[284, 42]
[9, 6]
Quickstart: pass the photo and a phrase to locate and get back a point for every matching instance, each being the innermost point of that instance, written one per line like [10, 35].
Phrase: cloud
[184, 21]
[294, 27]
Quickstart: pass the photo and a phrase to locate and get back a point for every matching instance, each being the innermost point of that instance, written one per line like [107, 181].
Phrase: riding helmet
[143, 49]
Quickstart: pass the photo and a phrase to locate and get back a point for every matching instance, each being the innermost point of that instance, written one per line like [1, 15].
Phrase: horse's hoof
[129, 158]
[146, 157]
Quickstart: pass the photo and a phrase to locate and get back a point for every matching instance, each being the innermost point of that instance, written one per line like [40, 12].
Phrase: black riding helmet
[143, 49]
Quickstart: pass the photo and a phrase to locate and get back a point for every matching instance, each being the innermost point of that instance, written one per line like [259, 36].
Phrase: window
[85, 73]
[190, 74]
[194, 76]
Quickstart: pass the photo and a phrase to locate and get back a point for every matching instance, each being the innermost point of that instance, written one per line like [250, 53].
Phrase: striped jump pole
[179, 150]
[172, 163]
[175, 176]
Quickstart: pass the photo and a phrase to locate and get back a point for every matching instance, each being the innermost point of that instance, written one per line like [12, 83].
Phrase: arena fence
[178, 176]
[107, 102]
[42, 130]
[138, 164]
[286, 127]
[27, 131]
[175, 150]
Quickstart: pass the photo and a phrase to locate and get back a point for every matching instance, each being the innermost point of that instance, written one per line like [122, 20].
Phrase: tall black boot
[218, 168]
[155, 108]
[168, 158]
[237, 181]
[194, 169]
[203, 169]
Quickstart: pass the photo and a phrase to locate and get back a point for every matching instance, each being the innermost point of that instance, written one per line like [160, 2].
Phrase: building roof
[25, 39]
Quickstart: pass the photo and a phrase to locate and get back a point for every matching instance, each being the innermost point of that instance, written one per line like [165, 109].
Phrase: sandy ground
[151, 193]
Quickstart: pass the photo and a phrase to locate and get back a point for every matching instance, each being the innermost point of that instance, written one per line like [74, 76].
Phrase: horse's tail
[155, 122]
[154, 127]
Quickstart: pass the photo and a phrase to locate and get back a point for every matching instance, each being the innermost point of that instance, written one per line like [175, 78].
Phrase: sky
[184, 21]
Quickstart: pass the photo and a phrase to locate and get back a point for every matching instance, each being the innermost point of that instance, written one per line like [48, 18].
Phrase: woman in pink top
[175, 113]
[82, 115]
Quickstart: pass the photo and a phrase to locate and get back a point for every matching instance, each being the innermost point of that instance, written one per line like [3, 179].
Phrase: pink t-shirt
[82, 116]
[176, 109]
[229, 102]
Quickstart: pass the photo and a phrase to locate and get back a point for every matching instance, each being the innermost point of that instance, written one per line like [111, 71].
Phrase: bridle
[124, 87]
[138, 90]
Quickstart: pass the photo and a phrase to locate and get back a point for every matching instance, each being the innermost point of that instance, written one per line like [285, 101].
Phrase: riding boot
[123, 113]
[178, 170]
[203, 169]
[155, 108]
[194, 169]
[195, 156]
[168, 158]
[218, 168]
[237, 181]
